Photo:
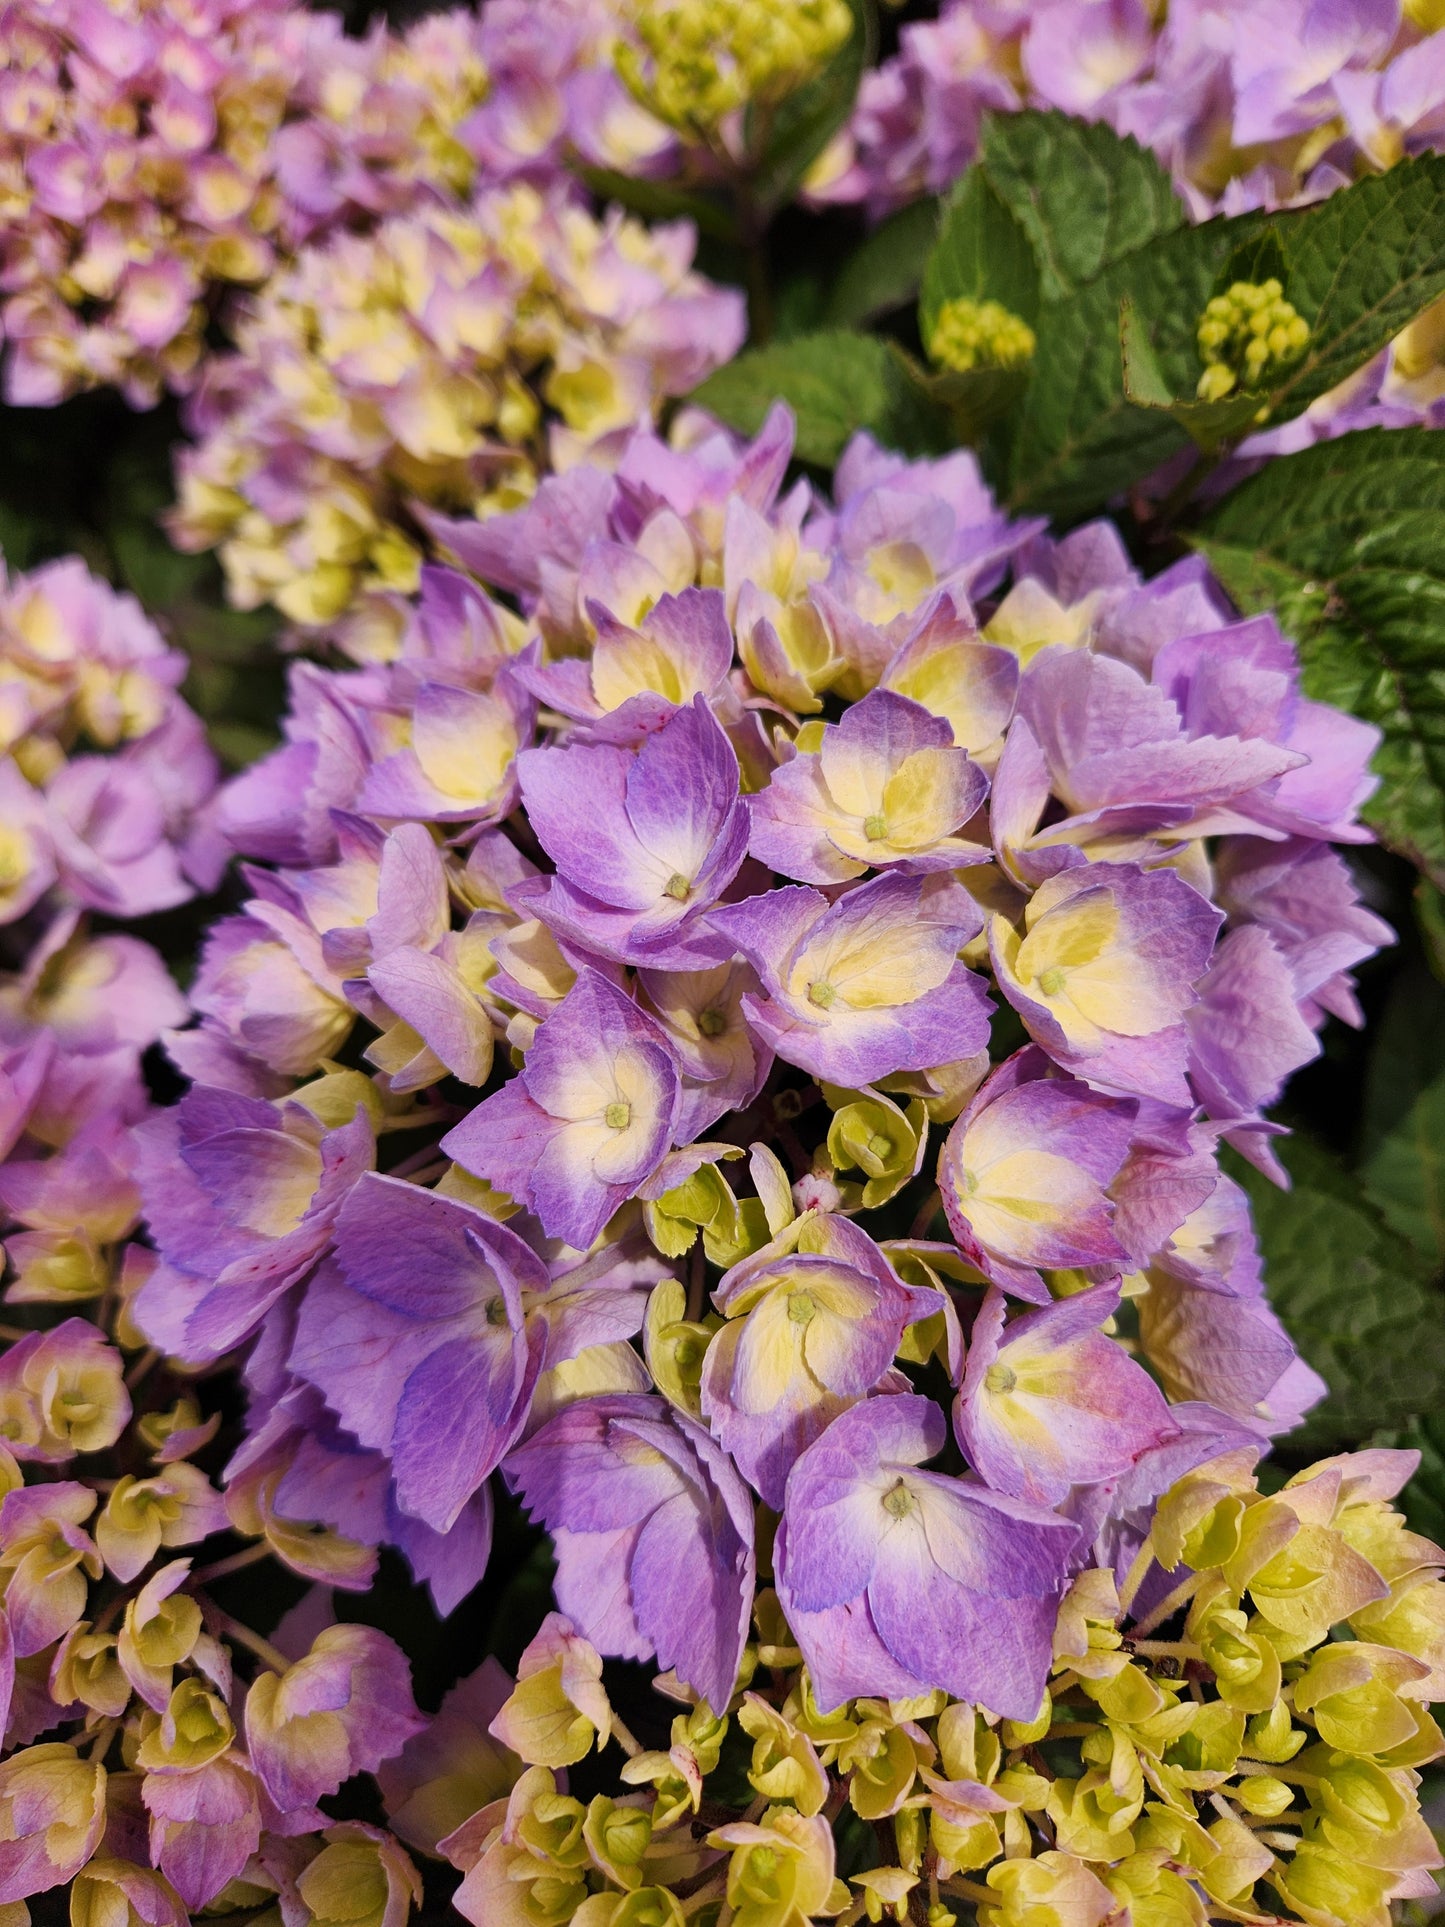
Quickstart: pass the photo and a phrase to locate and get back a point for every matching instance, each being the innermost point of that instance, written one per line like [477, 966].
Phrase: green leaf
[1102, 221]
[973, 399]
[1104, 228]
[1081, 439]
[885, 271]
[804, 123]
[1430, 921]
[835, 384]
[982, 253]
[1359, 267]
[1210, 425]
[1403, 1163]
[1085, 197]
[1354, 1296]
[1346, 541]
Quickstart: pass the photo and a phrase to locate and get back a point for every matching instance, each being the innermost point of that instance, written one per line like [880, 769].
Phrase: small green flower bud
[616, 1838]
[1263, 1796]
[980, 334]
[1272, 1737]
[885, 1143]
[1249, 335]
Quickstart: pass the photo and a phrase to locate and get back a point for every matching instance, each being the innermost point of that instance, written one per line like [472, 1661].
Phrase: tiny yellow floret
[980, 334]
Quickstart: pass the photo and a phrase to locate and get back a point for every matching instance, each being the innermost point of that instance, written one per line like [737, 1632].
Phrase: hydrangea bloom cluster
[1248, 103]
[734, 1041]
[434, 364]
[1253, 1762]
[154, 163]
[106, 792]
[106, 789]
[154, 157]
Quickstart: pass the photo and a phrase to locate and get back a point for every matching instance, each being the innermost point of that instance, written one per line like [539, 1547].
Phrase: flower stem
[234, 1562]
[253, 1642]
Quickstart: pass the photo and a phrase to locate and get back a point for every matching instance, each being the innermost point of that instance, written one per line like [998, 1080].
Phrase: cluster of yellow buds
[980, 334]
[1234, 1732]
[1246, 335]
[695, 62]
[421, 366]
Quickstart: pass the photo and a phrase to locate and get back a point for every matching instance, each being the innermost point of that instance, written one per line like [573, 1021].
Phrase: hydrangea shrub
[697, 1258]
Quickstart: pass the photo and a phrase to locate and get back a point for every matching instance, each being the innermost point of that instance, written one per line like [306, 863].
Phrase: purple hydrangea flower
[807, 1336]
[896, 1581]
[1025, 1171]
[1105, 969]
[1049, 1402]
[637, 677]
[653, 1531]
[240, 1197]
[886, 790]
[587, 1120]
[644, 845]
[864, 987]
[434, 1321]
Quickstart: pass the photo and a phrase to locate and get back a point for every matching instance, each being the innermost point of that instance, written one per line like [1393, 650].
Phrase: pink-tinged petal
[502, 1139]
[642, 843]
[846, 1657]
[768, 929]
[204, 1826]
[576, 802]
[430, 995]
[1230, 1352]
[945, 666]
[1106, 968]
[635, 1495]
[600, 1122]
[1113, 741]
[1023, 1175]
[682, 799]
[886, 789]
[978, 1643]
[962, 1584]
[860, 753]
[688, 1601]
[1246, 1034]
[867, 986]
[788, 826]
[1049, 1402]
[411, 893]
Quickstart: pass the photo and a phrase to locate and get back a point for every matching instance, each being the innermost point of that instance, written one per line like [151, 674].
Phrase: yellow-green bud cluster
[697, 61]
[1246, 1748]
[1246, 335]
[980, 334]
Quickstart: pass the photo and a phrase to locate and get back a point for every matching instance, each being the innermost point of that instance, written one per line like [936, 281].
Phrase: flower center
[678, 886]
[821, 993]
[1000, 1378]
[496, 1311]
[801, 1308]
[1052, 981]
[898, 1500]
[875, 828]
[617, 1116]
[712, 1023]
